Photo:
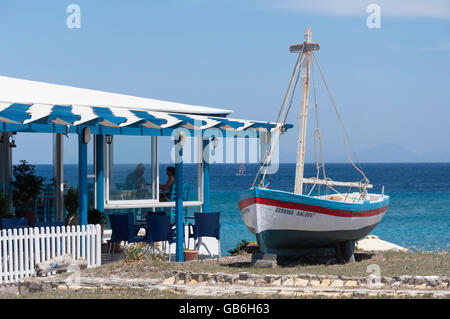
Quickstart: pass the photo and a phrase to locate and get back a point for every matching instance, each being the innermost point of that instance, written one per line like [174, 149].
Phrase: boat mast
[306, 47]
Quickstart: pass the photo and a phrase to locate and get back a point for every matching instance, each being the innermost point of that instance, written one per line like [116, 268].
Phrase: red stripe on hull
[315, 209]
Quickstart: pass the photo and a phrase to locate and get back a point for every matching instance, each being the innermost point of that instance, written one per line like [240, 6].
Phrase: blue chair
[50, 204]
[159, 228]
[10, 223]
[206, 225]
[124, 229]
[157, 213]
[40, 206]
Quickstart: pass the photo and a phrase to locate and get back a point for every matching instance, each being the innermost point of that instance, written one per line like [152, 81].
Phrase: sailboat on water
[285, 223]
[241, 171]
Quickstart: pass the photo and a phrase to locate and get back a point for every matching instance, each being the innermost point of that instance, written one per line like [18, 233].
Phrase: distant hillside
[385, 153]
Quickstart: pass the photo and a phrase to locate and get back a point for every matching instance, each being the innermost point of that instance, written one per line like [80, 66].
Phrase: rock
[264, 260]
[289, 282]
[169, 281]
[230, 279]
[443, 284]
[277, 282]
[314, 283]
[265, 264]
[30, 286]
[244, 276]
[196, 277]
[432, 281]
[420, 286]
[249, 282]
[405, 279]
[325, 283]
[328, 294]
[269, 279]
[301, 282]
[418, 280]
[63, 263]
[287, 293]
[337, 283]
[351, 283]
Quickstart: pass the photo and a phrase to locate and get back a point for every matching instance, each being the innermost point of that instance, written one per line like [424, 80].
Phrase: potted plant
[26, 187]
[190, 254]
[96, 217]
[71, 202]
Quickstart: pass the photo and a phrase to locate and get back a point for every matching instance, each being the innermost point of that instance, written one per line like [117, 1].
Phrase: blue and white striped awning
[115, 114]
[19, 117]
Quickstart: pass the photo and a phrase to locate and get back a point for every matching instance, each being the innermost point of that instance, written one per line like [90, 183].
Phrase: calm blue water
[418, 215]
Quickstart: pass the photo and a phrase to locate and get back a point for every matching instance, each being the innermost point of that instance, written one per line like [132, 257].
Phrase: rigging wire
[345, 136]
[283, 113]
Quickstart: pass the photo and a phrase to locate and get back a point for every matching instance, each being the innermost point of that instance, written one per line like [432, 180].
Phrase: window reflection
[130, 169]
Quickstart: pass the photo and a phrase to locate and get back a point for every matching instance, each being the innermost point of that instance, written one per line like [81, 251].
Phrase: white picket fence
[21, 249]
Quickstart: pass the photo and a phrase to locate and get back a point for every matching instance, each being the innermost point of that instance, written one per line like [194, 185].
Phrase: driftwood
[63, 263]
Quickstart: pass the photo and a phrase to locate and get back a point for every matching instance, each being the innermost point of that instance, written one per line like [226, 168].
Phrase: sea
[418, 216]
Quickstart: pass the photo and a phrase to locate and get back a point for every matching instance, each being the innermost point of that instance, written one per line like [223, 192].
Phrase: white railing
[21, 249]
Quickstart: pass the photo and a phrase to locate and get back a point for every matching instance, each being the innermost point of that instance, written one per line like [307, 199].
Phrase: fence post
[20, 253]
[98, 248]
[1, 257]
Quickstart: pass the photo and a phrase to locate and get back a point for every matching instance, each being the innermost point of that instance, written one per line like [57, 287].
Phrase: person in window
[166, 189]
[135, 180]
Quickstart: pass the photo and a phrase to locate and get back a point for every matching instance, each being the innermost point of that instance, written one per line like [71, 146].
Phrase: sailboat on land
[285, 223]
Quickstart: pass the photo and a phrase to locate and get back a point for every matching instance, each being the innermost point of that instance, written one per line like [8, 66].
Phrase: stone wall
[307, 280]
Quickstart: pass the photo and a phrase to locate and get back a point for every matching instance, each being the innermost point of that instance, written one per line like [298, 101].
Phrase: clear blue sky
[392, 84]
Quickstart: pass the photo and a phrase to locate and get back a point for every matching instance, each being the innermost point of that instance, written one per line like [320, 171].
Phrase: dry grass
[391, 264]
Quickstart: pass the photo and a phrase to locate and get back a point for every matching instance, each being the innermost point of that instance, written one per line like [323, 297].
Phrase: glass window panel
[130, 169]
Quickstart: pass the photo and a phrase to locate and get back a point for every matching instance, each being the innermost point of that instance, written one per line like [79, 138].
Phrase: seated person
[166, 189]
[136, 178]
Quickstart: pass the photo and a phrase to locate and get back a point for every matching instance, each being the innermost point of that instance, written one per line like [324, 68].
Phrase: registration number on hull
[292, 212]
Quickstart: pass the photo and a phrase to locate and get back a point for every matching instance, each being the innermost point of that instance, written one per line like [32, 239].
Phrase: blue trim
[311, 200]
[105, 113]
[231, 123]
[100, 191]
[206, 179]
[82, 180]
[148, 118]
[187, 119]
[16, 112]
[61, 112]
[179, 218]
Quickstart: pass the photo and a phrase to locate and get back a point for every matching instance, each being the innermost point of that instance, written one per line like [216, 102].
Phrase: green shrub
[71, 201]
[26, 185]
[96, 217]
[140, 252]
[240, 249]
[134, 252]
[5, 207]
